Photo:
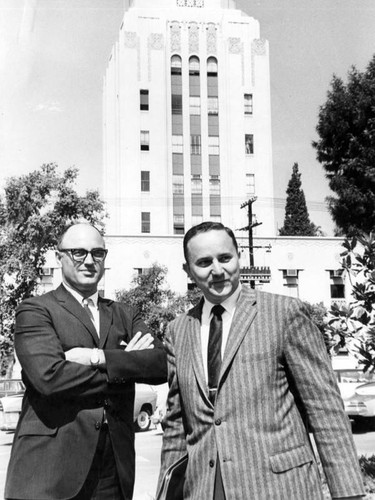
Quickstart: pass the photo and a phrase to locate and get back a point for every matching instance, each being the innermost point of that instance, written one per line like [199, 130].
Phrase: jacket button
[218, 421]
[97, 425]
[211, 463]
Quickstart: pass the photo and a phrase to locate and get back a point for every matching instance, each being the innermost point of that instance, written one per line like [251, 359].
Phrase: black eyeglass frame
[74, 258]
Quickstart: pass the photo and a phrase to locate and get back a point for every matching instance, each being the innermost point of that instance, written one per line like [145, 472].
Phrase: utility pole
[249, 228]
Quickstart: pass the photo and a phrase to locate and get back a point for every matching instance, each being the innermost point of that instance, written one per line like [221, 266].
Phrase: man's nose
[89, 260]
[217, 267]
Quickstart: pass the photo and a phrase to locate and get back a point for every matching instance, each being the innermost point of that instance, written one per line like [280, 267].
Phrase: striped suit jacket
[276, 380]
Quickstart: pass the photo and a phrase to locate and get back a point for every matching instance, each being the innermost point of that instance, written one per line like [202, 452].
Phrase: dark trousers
[102, 482]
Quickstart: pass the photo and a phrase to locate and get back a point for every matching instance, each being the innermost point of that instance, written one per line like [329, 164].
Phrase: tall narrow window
[195, 105]
[145, 180]
[196, 185]
[146, 222]
[176, 65]
[250, 185]
[145, 140]
[248, 104]
[249, 144]
[144, 103]
[213, 105]
[195, 144]
[178, 224]
[213, 145]
[177, 144]
[178, 184]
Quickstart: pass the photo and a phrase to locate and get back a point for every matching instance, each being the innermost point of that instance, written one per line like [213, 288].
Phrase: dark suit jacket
[63, 406]
[275, 380]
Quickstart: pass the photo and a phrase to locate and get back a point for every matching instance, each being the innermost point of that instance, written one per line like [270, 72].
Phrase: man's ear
[185, 267]
[58, 257]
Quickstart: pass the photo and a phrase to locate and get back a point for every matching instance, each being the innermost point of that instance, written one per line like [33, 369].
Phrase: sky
[53, 56]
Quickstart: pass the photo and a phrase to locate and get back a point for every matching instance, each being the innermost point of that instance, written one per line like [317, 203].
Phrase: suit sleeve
[174, 442]
[145, 366]
[317, 392]
[42, 358]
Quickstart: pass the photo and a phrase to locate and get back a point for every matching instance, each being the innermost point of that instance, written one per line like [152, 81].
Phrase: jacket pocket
[36, 428]
[286, 460]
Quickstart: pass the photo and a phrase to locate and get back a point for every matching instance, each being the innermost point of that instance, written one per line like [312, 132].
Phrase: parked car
[349, 375]
[361, 406]
[144, 407]
[9, 386]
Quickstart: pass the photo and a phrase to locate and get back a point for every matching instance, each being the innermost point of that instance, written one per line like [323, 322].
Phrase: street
[148, 458]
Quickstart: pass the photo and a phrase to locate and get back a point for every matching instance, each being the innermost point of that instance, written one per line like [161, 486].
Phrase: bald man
[75, 436]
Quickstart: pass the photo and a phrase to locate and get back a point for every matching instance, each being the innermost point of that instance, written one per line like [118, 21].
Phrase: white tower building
[187, 119]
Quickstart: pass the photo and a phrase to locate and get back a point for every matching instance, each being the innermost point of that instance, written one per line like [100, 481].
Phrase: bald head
[81, 253]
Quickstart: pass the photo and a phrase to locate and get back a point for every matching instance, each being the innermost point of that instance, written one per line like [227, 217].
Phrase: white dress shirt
[92, 304]
[230, 306]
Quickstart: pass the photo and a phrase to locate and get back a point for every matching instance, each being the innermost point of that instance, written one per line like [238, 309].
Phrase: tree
[353, 326]
[346, 149]
[157, 304]
[297, 220]
[34, 210]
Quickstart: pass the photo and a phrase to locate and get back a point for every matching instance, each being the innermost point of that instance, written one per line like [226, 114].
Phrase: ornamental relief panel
[258, 48]
[190, 3]
[211, 39]
[193, 37]
[155, 42]
[175, 28]
[235, 46]
[130, 39]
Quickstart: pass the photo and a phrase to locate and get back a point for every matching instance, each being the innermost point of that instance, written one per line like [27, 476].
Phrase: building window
[177, 144]
[196, 185]
[145, 140]
[195, 105]
[213, 105]
[176, 104]
[212, 66]
[213, 145]
[195, 144]
[249, 144]
[338, 291]
[178, 224]
[146, 222]
[144, 103]
[250, 184]
[178, 184]
[248, 104]
[145, 180]
[194, 66]
[214, 186]
[176, 65]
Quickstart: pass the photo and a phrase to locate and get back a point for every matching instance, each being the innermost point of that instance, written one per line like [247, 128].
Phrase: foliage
[34, 210]
[157, 304]
[367, 465]
[353, 326]
[346, 149]
[297, 221]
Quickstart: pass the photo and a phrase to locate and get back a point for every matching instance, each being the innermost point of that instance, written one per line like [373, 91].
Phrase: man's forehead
[81, 235]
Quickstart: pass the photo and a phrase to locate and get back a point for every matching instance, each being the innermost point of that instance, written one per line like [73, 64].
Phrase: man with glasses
[81, 356]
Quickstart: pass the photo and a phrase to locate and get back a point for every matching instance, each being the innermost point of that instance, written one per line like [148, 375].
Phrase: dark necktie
[214, 350]
[86, 306]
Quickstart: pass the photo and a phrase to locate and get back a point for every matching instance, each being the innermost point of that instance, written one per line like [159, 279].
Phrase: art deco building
[187, 119]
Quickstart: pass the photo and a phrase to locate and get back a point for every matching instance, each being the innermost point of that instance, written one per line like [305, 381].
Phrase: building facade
[187, 119]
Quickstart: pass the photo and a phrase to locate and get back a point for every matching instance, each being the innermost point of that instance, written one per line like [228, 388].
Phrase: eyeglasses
[80, 254]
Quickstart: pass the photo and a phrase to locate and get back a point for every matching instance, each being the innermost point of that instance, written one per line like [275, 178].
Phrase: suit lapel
[68, 302]
[105, 315]
[244, 315]
[194, 346]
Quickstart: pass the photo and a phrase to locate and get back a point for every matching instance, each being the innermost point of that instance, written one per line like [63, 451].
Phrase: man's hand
[82, 355]
[139, 343]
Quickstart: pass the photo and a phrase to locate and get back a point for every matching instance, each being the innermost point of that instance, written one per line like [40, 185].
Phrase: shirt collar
[229, 304]
[94, 297]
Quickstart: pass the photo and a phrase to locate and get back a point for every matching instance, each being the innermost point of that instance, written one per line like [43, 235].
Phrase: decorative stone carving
[235, 45]
[193, 37]
[175, 37]
[258, 47]
[130, 39]
[156, 41]
[211, 34]
[190, 3]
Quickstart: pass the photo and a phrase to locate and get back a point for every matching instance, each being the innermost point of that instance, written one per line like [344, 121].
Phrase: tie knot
[217, 310]
[87, 302]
